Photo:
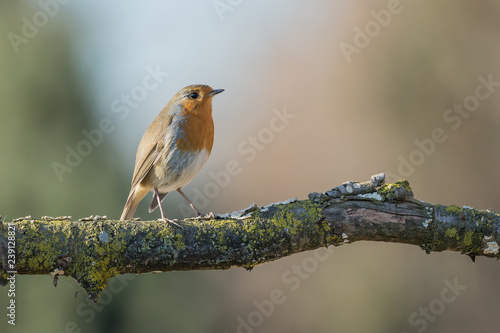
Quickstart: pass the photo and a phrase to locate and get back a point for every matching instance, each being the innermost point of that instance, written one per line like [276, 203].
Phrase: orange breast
[198, 130]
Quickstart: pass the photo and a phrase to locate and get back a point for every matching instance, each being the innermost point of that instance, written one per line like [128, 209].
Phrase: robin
[174, 149]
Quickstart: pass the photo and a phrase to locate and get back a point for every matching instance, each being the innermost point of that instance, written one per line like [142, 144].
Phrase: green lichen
[171, 240]
[263, 234]
[292, 216]
[41, 244]
[103, 249]
[452, 233]
[287, 220]
[297, 218]
[97, 254]
[463, 228]
[333, 240]
[468, 238]
[216, 232]
[454, 209]
[387, 190]
[97, 250]
[179, 244]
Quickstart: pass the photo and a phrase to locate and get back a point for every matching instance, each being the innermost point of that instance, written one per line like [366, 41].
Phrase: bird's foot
[202, 216]
[206, 216]
[164, 219]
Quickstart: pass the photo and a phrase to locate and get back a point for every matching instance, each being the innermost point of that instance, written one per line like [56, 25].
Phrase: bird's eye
[193, 95]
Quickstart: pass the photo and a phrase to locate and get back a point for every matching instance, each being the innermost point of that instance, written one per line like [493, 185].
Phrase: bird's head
[196, 98]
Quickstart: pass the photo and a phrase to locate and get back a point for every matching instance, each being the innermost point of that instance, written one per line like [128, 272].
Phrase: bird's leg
[163, 216]
[189, 201]
[159, 203]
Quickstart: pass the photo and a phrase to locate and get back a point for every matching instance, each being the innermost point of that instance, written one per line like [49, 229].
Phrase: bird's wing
[145, 162]
[150, 148]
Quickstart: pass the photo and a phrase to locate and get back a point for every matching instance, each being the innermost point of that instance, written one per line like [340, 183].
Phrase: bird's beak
[215, 92]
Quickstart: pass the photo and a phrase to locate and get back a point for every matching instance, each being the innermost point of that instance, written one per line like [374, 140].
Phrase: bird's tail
[154, 201]
[135, 196]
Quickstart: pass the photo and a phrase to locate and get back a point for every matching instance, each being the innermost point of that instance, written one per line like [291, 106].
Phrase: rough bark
[92, 251]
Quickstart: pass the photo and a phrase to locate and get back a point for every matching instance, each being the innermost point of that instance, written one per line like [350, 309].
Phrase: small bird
[174, 149]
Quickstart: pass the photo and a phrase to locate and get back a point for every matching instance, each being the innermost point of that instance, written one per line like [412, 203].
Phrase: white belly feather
[182, 168]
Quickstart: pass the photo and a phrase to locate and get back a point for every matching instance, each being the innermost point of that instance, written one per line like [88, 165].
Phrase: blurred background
[317, 93]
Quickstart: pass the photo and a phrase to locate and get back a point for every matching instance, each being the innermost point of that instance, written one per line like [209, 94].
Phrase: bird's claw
[164, 219]
[207, 216]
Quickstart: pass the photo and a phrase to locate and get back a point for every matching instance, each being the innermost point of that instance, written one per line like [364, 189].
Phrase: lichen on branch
[93, 251]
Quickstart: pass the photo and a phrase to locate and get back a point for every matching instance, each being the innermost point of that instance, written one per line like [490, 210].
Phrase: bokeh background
[359, 102]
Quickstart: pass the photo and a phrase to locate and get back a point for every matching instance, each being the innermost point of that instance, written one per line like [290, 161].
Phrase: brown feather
[198, 135]
[135, 196]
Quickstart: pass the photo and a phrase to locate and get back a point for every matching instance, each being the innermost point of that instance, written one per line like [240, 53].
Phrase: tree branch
[94, 251]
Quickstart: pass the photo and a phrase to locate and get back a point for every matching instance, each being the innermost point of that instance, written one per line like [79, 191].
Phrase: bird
[174, 148]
